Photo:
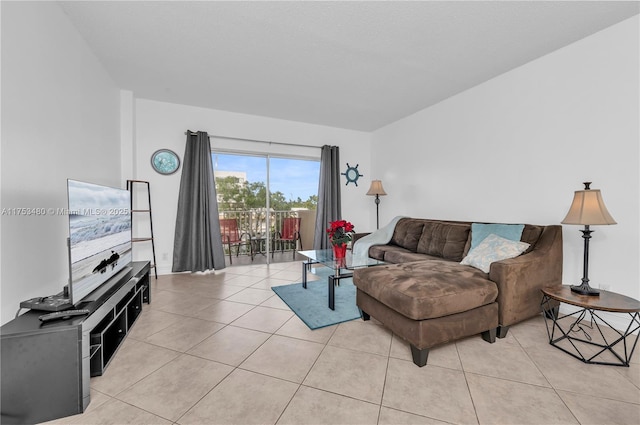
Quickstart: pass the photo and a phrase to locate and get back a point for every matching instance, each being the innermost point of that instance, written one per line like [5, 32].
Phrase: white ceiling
[357, 65]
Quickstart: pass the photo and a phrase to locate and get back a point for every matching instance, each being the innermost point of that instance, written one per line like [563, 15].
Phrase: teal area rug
[311, 305]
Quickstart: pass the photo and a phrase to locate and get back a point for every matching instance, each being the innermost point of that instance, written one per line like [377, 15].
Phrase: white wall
[162, 125]
[515, 148]
[59, 120]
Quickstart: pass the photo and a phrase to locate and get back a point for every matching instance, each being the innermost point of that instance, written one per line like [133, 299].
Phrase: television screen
[99, 236]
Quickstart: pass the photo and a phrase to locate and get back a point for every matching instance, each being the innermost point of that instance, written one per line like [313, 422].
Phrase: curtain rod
[255, 140]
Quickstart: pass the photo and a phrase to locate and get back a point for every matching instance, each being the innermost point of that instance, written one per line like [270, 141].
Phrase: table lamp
[587, 209]
[377, 190]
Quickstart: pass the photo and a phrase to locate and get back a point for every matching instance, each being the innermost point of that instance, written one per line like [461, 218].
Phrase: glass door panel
[242, 184]
[293, 200]
[241, 187]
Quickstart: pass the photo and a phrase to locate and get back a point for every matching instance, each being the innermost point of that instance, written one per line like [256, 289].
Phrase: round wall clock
[165, 161]
[352, 174]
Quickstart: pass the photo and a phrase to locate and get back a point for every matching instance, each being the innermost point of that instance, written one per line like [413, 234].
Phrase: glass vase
[340, 250]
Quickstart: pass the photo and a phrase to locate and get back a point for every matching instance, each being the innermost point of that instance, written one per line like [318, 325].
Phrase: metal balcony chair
[231, 236]
[289, 233]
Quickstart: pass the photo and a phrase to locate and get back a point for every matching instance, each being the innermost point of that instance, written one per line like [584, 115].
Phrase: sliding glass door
[260, 192]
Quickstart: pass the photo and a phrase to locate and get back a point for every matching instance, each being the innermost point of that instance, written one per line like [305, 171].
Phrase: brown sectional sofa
[428, 298]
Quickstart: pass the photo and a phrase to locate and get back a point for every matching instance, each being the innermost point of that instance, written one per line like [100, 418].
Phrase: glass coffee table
[342, 267]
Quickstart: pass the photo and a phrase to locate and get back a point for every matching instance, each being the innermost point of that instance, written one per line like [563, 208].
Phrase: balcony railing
[254, 223]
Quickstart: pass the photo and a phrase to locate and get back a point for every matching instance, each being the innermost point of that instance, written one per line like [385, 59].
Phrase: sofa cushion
[397, 255]
[444, 240]
[530, 234]
[407, 233]
[493, 248]
[479, 231]
[377, 251]
[427, 289]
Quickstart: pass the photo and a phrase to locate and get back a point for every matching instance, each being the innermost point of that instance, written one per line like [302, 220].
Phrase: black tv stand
[46, 367]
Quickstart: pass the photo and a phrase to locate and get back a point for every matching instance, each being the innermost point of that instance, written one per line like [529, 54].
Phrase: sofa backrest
[442, 239]
[450, 240]
[407, 233]
[530, 234]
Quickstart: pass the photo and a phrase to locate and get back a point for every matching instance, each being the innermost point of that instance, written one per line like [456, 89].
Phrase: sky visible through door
[294, 178]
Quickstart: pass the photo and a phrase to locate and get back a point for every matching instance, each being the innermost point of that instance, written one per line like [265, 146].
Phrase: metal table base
[571, 328]
[332, 281]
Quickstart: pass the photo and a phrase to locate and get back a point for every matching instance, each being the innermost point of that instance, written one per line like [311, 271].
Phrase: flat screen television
[99, 237]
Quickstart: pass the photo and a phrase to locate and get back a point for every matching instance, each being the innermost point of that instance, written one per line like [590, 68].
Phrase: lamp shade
[588, 208]
[376, 188]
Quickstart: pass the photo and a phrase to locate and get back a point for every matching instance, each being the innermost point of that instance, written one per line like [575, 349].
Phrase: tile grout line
[235, 367]
[545, 376]
[466, 381]
[303, 379]
[384, 382]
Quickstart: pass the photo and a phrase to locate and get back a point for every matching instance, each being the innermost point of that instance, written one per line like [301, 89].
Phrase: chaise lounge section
[428, 298]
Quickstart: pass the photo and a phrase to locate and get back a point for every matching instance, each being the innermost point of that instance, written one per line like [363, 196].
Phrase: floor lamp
[587, 209]
[377, 190]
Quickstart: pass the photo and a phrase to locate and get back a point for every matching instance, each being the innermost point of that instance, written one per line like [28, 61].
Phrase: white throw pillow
[493, 248]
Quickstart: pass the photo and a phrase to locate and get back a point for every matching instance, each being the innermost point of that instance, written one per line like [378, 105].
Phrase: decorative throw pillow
[479, 231]
[493, 248]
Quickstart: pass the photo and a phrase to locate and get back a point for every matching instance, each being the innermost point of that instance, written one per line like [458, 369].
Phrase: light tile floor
[222, 348]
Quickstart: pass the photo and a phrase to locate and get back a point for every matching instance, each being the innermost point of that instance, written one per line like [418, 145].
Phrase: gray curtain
[329, 203]
[197, 245]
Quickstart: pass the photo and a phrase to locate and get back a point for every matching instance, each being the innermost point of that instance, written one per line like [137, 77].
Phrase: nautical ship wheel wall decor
[352, 174]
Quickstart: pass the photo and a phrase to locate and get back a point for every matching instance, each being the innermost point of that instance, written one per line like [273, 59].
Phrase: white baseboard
[163, 269]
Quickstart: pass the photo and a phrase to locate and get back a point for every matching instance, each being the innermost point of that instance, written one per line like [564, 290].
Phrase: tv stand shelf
[46, 367]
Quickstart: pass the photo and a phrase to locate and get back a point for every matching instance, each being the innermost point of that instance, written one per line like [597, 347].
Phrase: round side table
[598, 345]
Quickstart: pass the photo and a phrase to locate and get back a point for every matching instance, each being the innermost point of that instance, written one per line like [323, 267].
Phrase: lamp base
[585, 289]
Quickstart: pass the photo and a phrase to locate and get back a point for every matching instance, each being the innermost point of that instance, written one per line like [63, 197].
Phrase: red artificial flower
[340, 231]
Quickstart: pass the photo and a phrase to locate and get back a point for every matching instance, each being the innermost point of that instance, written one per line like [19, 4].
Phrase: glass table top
[325, 257]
